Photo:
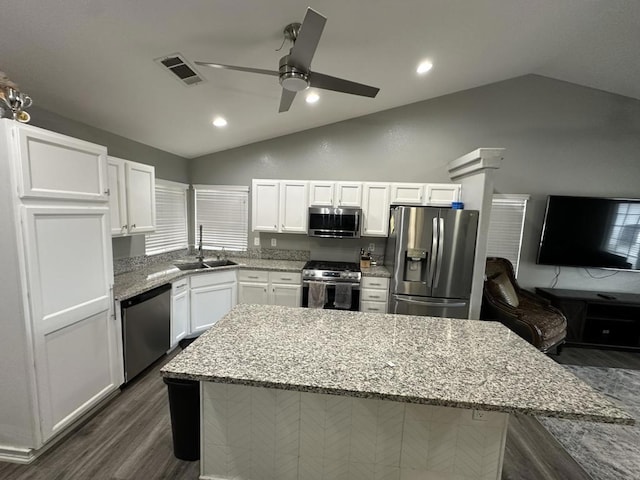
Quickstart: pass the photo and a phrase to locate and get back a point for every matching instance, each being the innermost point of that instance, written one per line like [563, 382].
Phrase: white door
[141, 197]
[321, 194]
[56, 166]
[69, 279]
[286, 295]
[255, 293]
[265, 197]
[293, 206]
[179, 311]
[375, 208]
[442, 194]
[117, 196]
[210, 304]
[348, 194]
[407, 193]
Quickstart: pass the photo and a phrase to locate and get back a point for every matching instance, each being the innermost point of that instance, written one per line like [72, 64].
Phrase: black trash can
[184, 407]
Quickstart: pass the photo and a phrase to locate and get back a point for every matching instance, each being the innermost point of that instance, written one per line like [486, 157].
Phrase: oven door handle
[331, 284]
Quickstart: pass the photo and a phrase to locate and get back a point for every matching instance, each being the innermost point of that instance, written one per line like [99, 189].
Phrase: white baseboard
[16, 455]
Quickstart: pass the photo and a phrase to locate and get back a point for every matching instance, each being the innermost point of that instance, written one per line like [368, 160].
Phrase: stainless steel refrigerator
[430, 252]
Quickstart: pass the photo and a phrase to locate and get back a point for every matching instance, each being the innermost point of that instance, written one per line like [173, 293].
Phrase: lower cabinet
[270, 288]
[212, 295]
[374, 294]
[180, 327]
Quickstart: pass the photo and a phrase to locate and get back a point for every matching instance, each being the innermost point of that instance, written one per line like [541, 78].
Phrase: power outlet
[273, 242]
[372, 247]
[256, 241]
[479, 415]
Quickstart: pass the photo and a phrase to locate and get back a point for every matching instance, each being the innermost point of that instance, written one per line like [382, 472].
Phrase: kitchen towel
[343, 296]
[317, 294]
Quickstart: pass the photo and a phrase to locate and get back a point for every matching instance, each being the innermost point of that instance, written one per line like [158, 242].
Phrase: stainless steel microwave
[331, 222]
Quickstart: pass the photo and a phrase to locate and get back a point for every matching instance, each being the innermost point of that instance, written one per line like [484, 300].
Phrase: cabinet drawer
[374, 307]
[216, 278]
[375, 295]
[253, 276]
[179, 286]
[285, 277]
[375, 282]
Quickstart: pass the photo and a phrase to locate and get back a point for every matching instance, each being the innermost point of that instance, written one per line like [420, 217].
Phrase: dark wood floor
[130, 439]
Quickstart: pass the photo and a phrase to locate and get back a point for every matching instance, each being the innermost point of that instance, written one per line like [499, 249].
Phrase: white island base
[254, 433]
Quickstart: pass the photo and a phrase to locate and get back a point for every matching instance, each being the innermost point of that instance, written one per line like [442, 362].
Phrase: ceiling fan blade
[240, 69]
[307, 41]
[286, 100]
[327, 82]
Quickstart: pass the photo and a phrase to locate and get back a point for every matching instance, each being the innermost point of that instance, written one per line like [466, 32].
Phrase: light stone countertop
[429, 360]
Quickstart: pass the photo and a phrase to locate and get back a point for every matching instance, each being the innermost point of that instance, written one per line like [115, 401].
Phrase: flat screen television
[591, 232]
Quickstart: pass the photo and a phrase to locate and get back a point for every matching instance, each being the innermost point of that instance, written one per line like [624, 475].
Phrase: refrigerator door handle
[440, 252]
[428, 304]
[434, 249]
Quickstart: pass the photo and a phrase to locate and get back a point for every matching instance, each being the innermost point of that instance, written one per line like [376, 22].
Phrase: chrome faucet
[200, 255]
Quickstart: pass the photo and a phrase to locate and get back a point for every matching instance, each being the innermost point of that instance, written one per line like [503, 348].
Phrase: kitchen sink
[204, 264]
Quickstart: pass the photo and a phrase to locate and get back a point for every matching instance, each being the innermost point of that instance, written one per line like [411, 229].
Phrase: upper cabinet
[335, 194]
[279, 206]
[54, 166]
[133, 200]
[431, 194]
[375, 209]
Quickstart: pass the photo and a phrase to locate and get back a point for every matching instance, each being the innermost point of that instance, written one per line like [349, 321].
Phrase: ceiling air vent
[180, 69]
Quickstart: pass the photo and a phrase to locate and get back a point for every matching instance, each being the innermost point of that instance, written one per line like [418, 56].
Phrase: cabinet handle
[286, 278]
[252, 277]
[107, 192]
[265, 289]
[123, 227]
[371, 309]
[375, 284]
[374, 296]
[275, 226]
[133, 225]
[180, 287]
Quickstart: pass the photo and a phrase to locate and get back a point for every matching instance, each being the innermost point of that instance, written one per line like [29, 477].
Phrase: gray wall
[560, 138]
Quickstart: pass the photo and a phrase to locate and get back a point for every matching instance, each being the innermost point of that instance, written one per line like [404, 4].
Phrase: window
[171, 219]
[506, 227]
[223, 213]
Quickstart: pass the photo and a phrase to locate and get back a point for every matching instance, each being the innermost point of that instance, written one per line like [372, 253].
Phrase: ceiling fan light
[294, 81]
[219, 122]
[312, 97]
[424, 67]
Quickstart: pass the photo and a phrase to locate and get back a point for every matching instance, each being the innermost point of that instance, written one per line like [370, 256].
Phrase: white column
[475, 171]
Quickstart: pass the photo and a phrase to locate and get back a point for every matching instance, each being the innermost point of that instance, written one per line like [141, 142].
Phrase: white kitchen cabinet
[270, 288]
[180, 324]
[279, 206]
[375, 209]
[374, 294]
[335, 194]
[442, 194]
[133, 199]
[212, 295]
[407, 193]
[59, 342]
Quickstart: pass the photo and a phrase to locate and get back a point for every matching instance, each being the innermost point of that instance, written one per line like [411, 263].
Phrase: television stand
[598, 319]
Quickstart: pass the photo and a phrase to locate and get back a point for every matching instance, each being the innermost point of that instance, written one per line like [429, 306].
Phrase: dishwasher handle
[154, 292]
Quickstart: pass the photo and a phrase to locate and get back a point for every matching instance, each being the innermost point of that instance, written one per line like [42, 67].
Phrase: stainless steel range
[342, 278]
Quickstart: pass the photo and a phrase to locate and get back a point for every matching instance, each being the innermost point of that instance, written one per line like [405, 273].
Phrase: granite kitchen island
[292, 393]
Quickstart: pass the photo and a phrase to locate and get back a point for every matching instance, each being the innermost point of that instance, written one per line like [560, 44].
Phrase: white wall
[561, 139]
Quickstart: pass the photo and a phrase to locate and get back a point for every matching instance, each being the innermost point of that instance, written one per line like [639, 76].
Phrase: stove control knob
[307, 273]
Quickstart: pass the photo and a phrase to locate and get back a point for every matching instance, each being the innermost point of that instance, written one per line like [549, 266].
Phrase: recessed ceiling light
[219, 122]
[424, 67]
[312, 97]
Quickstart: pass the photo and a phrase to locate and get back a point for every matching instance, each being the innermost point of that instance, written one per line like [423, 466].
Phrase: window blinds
[171, 219]
[223, 213]
[506, 227]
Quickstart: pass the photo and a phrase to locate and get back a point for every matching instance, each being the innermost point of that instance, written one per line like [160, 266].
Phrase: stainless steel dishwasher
[146, 329]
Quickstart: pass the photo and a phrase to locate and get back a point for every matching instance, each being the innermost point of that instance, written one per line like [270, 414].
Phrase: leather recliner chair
[527, 314]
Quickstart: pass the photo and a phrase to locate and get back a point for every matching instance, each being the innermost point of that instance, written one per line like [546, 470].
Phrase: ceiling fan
[294, 72]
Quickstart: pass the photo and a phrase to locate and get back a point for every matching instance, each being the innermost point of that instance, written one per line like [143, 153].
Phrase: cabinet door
[141, 197]
[69, 279]
[210, 304]
[265, 197]
[59, 167]
[117, 196]
[375, 208]
[348, 194]
[255, 293]
[286, 295]
[407, 193]
[321, 194]
[179, 311]
[442, 194]
[294, 212]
